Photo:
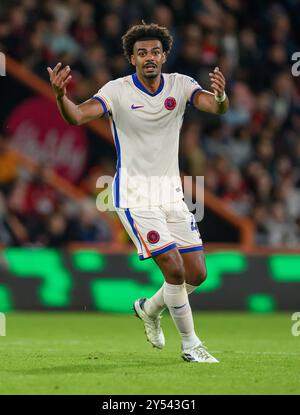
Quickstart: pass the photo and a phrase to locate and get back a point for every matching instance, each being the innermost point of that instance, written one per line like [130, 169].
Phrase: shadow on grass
[96, 364]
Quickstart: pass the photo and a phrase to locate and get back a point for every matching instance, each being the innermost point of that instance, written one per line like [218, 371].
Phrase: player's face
[148, 57]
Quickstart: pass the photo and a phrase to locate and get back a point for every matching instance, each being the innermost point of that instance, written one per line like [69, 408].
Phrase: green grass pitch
[91, 353]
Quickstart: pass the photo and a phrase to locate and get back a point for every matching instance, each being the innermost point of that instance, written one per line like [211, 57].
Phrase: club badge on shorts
[170, 103]
[153, 237]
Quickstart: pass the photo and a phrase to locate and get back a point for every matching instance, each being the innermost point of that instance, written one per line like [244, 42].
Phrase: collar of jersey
[140, 86]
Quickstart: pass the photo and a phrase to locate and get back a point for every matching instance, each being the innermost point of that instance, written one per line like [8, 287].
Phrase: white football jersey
[146, 131]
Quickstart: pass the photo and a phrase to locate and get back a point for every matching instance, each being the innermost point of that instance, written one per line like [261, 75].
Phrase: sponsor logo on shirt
[135, 107]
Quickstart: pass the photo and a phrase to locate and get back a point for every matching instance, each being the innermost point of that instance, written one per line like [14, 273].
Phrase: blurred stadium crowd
[250, 156]
[32, 212]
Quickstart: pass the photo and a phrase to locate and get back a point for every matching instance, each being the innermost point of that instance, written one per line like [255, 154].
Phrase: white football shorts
[157, 229]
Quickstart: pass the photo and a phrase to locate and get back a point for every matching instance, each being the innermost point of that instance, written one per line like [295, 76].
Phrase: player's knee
[202, 275]
[198, 276]
[178, 274]
[172, 267]
[201, 270]
[176, 271]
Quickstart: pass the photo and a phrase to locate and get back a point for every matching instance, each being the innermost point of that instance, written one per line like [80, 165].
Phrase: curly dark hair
[146, 32]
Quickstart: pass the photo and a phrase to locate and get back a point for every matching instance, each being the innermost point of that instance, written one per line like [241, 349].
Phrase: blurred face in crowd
[148, 58]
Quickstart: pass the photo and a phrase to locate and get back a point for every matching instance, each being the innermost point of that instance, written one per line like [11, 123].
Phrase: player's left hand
[217, 82]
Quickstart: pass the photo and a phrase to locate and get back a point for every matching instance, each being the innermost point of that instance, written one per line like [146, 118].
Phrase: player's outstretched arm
[216, 102]
[72, 113]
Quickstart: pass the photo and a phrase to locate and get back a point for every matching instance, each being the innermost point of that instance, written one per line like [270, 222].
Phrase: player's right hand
[59, 79]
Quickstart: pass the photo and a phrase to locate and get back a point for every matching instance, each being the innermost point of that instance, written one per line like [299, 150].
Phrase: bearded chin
[150, 75]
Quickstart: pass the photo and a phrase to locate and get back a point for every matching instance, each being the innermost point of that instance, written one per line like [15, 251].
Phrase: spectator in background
[8, 166]
[40, 199]
[89, 227]
[192, 158]
[57, 230]
[281, 231]
[59, 41]
[240, 147]
[260, 216]
[36, 202]
[235, 192]
[189, 58]
[83, 28]
[12, 232]
[250, 56]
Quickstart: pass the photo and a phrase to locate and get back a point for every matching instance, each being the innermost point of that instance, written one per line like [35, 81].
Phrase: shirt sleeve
[108, 97]
[190, 87]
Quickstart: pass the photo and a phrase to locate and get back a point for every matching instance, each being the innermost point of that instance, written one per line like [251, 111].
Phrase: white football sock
[155, 305]
[177, 301]
[190, 288]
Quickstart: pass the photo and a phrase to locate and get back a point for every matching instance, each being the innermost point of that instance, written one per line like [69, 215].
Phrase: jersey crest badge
[170, 103]
[153, 237]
